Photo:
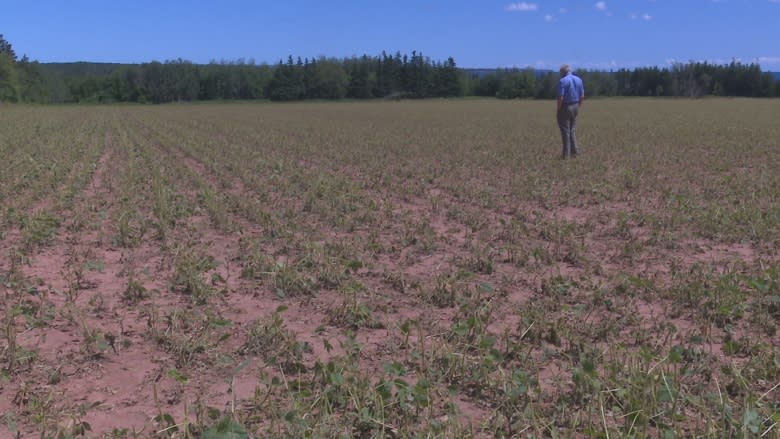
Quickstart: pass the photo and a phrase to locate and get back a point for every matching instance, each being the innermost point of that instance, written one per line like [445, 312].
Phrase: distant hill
[480, 73]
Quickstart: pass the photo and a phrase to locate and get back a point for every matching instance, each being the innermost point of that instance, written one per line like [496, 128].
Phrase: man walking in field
[571, 93]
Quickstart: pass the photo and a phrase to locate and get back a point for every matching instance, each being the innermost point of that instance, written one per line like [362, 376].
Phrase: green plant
[191, 265]
[226, 428]
[447, 291]
[130, 230]
[135, 291]
[40, 228]
[270, 338]
[190, 336]
[353, 312]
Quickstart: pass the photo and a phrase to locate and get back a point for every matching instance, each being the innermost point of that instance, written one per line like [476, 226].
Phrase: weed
[188, 335]
[398, 280]
[40, 229]
[290, 280]
[135, 291]
[447, 292]
[191, 265]
[275, 343]
[130, 230]
[481, 262]
[353, 312]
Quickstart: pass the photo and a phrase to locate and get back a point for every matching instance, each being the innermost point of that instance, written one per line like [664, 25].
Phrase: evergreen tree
[359, 87]
[32, 87]
[330, 80]
[287, 82]
[547, 87]
[517, 84]
[7, 49]
[9, 84]
[397, 76]
[450, 84]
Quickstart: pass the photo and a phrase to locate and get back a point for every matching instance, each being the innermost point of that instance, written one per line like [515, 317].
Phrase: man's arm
[561, 92]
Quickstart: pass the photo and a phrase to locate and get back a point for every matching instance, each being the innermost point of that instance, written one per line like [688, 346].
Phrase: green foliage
[393, 76]
[191, 267]
[33, 87]
[20, 80]
[287, 82]
[517, 84]
[187, 335]
[271, 339]
[690, 80]
[40, 228]
[388, 76]
[353, 312]
[130, 229]
[227, 428]
[9, 82]
[6, 48]
[181, 80]
[328, 80]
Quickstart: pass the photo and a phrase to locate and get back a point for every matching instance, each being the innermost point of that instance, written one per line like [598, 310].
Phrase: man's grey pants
[567, 121]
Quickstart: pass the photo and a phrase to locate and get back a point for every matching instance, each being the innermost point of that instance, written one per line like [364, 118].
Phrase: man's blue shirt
[571, 89]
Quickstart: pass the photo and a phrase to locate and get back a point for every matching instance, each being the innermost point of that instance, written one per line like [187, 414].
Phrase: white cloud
[601, 6]
[633, 16]
[522, 7]
[549, 18]
[647, 17]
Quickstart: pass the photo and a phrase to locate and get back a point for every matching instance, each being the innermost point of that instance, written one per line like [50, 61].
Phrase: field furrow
[391, 269]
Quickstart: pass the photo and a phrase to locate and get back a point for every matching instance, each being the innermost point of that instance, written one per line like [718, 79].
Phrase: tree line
[393, 76]
[694, 79]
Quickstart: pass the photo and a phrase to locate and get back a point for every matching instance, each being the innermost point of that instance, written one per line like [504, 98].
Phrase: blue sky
[477, 33]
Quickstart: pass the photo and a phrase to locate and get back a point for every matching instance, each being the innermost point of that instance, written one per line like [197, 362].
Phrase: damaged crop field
[390, 269]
